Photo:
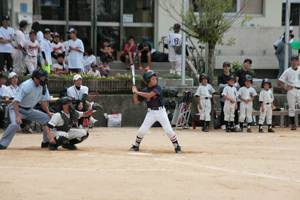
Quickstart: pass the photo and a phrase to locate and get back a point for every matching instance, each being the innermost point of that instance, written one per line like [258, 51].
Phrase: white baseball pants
[229, 109]
[268, 112]
[175, 67]
[17, 57]
[153, 116]
[206, 108]
[72, 134]
[293, 95]
[245, 111]
[31, 63]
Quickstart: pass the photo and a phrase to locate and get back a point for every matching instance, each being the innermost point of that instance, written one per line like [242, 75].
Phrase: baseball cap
[294, 57]
[55, 34]
[2, 75]
[145, 40]
[23, 24]
[94, 64]
[226, 63]
[291, 28]
[176, 26]
[76, 77]
[12, 74]
[46, 30]
[72, 30]
[6, 17]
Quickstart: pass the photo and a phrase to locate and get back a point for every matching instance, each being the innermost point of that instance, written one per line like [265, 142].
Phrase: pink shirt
[103, 71]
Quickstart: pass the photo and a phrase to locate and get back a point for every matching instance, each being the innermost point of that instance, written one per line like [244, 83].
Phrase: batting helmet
[266, 80]
[202, 76]
[64, 100]
[37, 73]
[231, 76]
[147, 75]
[247, 78]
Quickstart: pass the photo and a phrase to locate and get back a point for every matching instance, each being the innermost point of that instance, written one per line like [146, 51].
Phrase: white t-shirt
[10, 91]
[266, 96]
[18, 38]
[247, 93]
[177, 41]
[32, 48]
[88, 61]
[56, 67]
[75, 57]
[3, 92]
[291, 76]
[97, 73]
[46, 47]
[77, 94]
[6, 34]
[205, 91]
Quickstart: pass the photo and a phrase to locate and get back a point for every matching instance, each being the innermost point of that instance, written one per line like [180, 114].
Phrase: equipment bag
[113, 120]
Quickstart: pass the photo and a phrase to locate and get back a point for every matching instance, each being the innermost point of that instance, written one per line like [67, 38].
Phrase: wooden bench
[282, 114]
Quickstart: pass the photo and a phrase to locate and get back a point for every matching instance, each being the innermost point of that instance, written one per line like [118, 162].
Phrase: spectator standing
[241, 73]
[128, 52]
[75, 49]
[89, 58]
[104, 68]
[32, 47]
[106, 51]
[282, 37]
[45, 53]
[17, 52]
[57, 47]
[6, 35]
[144, 53]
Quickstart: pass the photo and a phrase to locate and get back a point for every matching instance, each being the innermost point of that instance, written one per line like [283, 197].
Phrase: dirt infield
[214, 165]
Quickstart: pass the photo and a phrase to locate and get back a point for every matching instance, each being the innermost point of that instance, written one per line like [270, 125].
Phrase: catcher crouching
[59, 128]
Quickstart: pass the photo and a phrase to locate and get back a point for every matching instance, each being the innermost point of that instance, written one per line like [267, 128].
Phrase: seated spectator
[144, 53]
[57, 47]
[80, 92]
[10, 93]
[94, 71]
[60, 67]
[104, 68]
[128, 52]
[106, 51]
[2, 88]
[88, 59]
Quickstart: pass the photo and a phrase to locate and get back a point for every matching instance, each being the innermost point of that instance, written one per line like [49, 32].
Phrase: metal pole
[183, 46]
[287, 34]
[67, 19]
[121, 24]
[95, 28]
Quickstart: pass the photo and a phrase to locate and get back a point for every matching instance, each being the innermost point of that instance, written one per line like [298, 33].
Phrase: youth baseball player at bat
[246, 95]
[156, 110]
[28, 95]
[266, 99]
[292, 77]
[230, 95]
[205, 93]
[59, 129]
[32, 47]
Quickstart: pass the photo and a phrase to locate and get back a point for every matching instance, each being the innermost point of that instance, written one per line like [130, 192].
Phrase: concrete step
[154, 65]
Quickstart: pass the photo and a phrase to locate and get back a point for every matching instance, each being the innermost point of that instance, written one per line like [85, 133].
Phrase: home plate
[141, 154]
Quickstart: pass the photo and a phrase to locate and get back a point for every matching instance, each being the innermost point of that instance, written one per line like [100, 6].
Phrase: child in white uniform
[246, 95]
[266, 99]
[32, 48]
[205, 94]
[230, 95]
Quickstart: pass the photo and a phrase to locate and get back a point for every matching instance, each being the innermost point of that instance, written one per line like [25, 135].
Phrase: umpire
[28, 95]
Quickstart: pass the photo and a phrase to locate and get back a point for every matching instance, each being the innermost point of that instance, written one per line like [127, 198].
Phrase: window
[49, 12]
[294, 14]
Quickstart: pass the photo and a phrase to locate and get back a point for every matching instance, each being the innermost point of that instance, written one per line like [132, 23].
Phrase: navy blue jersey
[155, 101]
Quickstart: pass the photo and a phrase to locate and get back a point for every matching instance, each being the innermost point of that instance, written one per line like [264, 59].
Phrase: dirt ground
[214, 165]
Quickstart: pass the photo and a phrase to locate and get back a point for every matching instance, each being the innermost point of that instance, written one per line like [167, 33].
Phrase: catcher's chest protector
[67, 123]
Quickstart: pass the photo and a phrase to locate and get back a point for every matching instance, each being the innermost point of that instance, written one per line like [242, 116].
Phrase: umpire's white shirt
[205, 91]
[291, 76]
[77, 94]
[266, 96]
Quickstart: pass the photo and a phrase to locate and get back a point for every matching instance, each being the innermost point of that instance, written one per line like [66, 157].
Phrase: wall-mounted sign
[128, 18]
[24, 16]
[23, 7]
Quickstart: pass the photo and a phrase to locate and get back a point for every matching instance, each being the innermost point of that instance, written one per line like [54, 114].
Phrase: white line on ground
[141, 154]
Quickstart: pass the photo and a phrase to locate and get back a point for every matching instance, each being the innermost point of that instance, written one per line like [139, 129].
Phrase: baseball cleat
[134, 148]
[270, 130]
[69, 146]
[228, 130]
[44, 144]
[233, 129]
[93, 120]
[51, 147]
[249, 130]
[260, 130]
[294, 127]
[205, 129]
[2, 147]
[241, 129]
[178, 150]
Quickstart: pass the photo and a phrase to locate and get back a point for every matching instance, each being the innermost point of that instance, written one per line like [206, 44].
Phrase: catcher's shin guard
[61, 140]
[76, 141]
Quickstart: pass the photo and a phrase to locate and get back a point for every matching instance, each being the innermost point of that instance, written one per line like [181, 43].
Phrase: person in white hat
[80, 92]
[276, 44]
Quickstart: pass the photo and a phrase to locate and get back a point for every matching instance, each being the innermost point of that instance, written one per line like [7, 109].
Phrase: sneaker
[51, 147]
[260, 130]
[134, 148]
[147, 68]
[223, 127]
[249, 130]
[69, 146]
[178, 150]
[270, 130]
[294, 127]
[2, 147]
[45, 144]
[140, 68]
[80, 127]
[233, 129]
[93, 120]
[241, 129]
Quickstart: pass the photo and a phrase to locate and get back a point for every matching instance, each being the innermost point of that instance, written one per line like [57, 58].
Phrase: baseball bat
[133, 74]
